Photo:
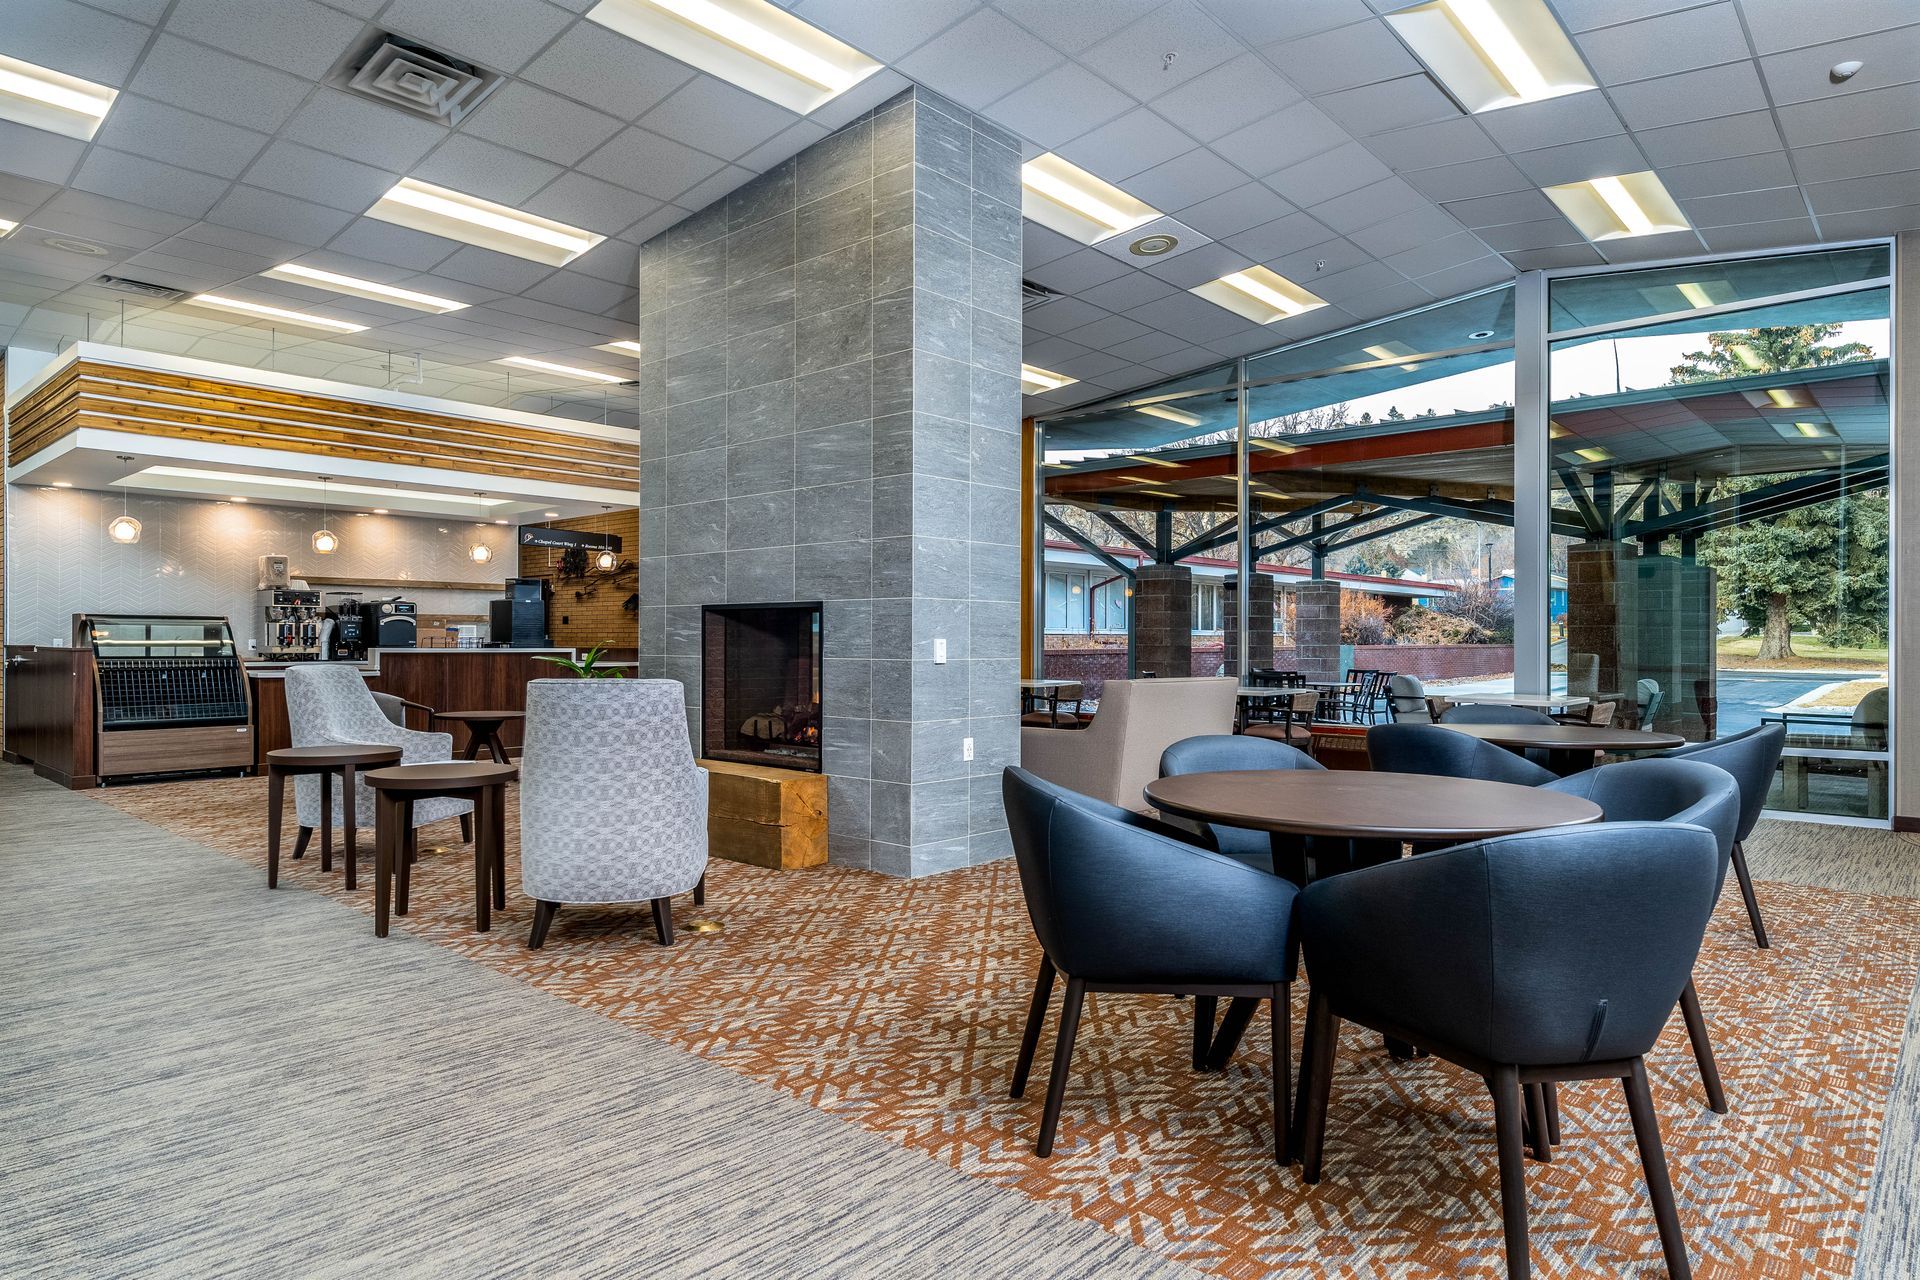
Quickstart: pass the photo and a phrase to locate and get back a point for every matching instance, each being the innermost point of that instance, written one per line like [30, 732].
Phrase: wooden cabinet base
[766, 817]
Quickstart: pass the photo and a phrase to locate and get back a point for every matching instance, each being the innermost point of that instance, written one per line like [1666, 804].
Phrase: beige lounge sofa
[1118, 754]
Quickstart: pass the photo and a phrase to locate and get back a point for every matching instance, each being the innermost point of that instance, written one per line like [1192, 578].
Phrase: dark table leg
[403, 864]
[496, 746]
[474, 741]
[276, 801]
[386, 823]
[326, 820]
[500, 846]
[482, 851]
[347, 786]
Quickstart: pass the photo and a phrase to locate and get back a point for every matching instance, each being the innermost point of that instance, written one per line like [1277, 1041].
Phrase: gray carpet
[201, 1078]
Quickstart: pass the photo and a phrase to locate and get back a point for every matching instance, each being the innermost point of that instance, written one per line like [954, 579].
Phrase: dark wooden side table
[343, 758]
[483, 729]
[395, 791]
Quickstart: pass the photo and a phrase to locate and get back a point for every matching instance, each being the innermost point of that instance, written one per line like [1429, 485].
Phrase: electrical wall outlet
[966, 748]
[940, 653]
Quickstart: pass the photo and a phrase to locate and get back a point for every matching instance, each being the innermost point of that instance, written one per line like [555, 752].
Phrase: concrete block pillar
[1259, 623]
[1599, 573]
[1163, 620]
[1316, 629]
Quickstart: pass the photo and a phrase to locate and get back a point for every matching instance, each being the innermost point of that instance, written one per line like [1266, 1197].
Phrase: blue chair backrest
[1751, 758]
[1487, 713]
[1431, 749]
[1663, 791]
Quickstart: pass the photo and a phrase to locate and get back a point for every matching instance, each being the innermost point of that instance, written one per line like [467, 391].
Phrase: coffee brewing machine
[290, 624]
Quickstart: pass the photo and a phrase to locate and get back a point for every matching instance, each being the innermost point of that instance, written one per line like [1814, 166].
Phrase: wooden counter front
[49, 712]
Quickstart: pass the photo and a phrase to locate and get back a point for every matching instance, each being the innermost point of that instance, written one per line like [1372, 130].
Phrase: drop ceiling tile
[1695, 95]
[1072, 25]
[483, 169]
[1438, 254]
[590, 203]
[1428, 146]
[1801, 75]
[1149, 346]
[1187, 316]
[92, 214]
[1585, 15]
[1665, 45]
[1478, 274]
[145, 11]
[1060, 315]
[1261, 22]
[1123, 147]
[710, 190]
[540, 123]
[1229, 96]
[1284, 138]
[1738, 173]
[363, 131]
[1124, 293]
[980, 59]
[1304, 266]
[1676, 244]
[1720, 138]
[1870, 222]
[1045, 351]
[1332, 173]
[1859, 158]
[1400, 295]
[74, 39]
[1197, 175]
[145, 127]
[1234, 211]
[886, 32]
[788, 143]
[1464, 181]
[1391, 104]
[1499, 210]
[1343, 58]
[1540, 234]
[1104, 333]
[608, 72]
[136, 179]
[1077, 271]
[1280, 237]
[568, 288]
[725, 121]
[1041, 245]
[499, 35]
[1761, 235]
[296, 36]
[1060, 105]
[1849, 195]
[1782, 24]
[1578, 161]
[268, 213]
[218, 85]
[1567, 255]
[294, 170]
[384, 242]
[1208, 262]
[1858, 115]
[1531, 126]
[1135, 58]
[1369, 205]
[870, 94]
[1411, 230]
[38, 154]
[641, 160]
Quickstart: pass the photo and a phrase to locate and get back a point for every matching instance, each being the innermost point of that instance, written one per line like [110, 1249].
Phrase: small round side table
[343, 758]
[483, 730]
[395, 791]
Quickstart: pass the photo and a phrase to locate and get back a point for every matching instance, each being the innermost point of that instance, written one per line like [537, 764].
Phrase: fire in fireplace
[760, 684]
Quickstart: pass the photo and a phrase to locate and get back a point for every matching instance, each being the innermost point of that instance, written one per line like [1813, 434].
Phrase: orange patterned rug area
[897, 1005]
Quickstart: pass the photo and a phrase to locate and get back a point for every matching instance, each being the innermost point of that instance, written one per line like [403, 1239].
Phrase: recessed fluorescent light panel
[371, 289]
[6, 226]
[756, 45]
[49, 100]
[1630, 204]
[564, 370]
[1260, 295]
[1493, 53]
[1033, 381]
[260, 311]
[439, 211]
[1073, 202]
[622, 347]
[1180, 416]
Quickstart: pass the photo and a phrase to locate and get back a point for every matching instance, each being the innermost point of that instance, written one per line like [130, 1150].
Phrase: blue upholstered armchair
[1430, 749]
[1222, 752]
[1117, 906]
[1529, 959]
[1751, 758]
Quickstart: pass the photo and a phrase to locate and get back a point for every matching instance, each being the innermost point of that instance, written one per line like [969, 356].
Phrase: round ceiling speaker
[1480, 335]
[1153, 246]
[69, 245]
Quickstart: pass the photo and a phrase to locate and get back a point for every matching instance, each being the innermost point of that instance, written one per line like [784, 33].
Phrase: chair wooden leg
[663, 920]
[1537, 1130]
[1702, 1048]
[1282, 1045]
[543, 913]
[326, 822]
[1204, 1008]
[466, 828]
[350, 837]
[1505, 1085]
[1552, 1092]
[1653, 1160]
[1036, 1019]
[300, 841]
[1062, 1056]
[1239, 1016]
[498, 854]
[1316, 1084]
[1746, 892]
[406, 855]
[482, 871]
[700, 891]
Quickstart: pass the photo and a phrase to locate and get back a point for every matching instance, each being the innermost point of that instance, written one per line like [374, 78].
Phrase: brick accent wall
[598, 616]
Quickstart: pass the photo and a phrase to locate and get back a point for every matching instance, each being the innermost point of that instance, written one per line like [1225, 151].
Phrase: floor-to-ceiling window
[1719, 472]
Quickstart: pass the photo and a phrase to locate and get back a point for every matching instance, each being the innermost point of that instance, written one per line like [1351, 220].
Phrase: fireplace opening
[760, 684]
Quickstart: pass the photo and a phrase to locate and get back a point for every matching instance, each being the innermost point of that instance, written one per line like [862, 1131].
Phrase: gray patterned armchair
[329, 703]
[612, 806]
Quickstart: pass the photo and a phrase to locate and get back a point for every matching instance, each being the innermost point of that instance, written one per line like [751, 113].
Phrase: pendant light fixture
[606, 560]
[325, 540]
[478, 551]
[123, 528]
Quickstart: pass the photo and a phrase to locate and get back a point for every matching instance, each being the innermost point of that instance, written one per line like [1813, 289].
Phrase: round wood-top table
[396, 789]
[483, 730]
[1569, 747]
[1349, 804]
[327, 759]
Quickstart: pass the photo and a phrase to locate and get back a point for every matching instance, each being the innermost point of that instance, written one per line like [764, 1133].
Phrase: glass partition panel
[1720, 502]
[1616, 297]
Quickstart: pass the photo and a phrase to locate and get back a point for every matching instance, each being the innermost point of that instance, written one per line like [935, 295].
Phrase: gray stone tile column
[834, 415]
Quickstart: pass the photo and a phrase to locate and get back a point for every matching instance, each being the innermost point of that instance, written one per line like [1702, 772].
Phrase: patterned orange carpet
[897, 1006]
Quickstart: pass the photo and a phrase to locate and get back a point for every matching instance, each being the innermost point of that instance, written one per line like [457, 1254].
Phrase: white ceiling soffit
[1302, 137]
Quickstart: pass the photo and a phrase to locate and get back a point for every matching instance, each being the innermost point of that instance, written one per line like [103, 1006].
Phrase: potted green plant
[587, 667]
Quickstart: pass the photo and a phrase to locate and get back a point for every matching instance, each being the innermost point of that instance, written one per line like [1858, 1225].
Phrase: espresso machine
[289, 624]
[345, 630]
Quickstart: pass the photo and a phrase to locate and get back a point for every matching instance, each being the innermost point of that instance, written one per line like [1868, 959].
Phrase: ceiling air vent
[1034, 295]
[405, 74]
[120, 284]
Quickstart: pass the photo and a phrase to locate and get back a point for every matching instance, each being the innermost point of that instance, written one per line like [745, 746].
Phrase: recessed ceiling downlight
[1153, 246]
[67, 244]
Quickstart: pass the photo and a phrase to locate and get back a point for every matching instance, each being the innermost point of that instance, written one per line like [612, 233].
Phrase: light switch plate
[966, 748]
[939, 650]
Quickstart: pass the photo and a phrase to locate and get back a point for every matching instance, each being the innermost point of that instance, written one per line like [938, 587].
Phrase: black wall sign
[533, 535]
